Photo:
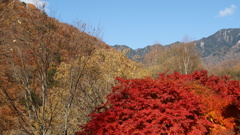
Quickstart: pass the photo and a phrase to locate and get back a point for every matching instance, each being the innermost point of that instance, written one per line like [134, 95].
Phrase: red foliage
[172, 104]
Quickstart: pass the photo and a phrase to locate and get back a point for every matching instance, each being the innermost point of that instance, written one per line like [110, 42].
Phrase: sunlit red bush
[172, 104]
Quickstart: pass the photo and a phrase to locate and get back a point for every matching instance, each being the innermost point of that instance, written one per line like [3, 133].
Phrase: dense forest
[57, 78]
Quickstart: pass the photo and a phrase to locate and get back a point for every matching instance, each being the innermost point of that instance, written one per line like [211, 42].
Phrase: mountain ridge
[216, 49]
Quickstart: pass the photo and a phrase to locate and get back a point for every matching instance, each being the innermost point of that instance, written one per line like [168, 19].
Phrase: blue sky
[138, 23]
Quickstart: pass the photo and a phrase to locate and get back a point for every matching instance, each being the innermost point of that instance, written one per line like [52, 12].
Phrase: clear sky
[138, 23]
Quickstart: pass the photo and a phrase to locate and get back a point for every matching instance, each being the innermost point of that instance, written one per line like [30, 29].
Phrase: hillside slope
[52, 74]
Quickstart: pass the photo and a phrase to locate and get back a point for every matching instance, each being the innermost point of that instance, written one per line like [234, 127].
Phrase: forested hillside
[52, 74]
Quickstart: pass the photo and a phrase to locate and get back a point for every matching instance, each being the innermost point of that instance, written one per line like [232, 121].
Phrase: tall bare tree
[183, 58]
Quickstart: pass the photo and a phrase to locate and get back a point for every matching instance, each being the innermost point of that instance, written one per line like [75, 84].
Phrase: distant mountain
[219, 49]
[225, 38]
[131, 53]
[140, 52]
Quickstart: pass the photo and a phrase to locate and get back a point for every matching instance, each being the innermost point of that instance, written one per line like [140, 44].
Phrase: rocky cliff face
[225, 38]
[220, 48]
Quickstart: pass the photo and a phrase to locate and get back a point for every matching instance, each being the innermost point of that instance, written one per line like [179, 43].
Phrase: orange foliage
[31, 6]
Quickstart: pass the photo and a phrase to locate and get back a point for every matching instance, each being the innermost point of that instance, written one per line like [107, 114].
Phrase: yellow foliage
[113, 64]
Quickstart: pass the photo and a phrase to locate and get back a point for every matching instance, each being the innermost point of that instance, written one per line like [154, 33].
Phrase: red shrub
[150, 106]
[172, 104]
